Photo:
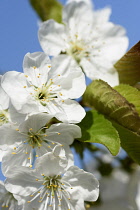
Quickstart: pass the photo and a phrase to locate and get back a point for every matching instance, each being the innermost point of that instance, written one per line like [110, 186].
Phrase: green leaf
[96, 129]
[119, 111]
[130, 142]
[48, 9]
[128, 66]
[131, 94]
[113, 105]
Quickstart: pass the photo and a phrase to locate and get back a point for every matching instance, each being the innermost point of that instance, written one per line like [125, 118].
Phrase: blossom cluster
[39, 113]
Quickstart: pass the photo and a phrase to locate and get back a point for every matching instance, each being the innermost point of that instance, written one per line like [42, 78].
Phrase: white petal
[71, 79]
[86, 1]
[52, 37]
[13, 83]
[60, 66]
[2, 153]
[22, 181]
[111, 78]
[102, 16]
[9, 136]
[74, 113]
[22, 156]
[66, 74]
[84, 184]
[67, 133]
[20, 200]
[69, 156]
[35, 122]
[52, 163]
[15, 116]
[115, 43]
[78, 204]
[36, 66]
[4, 98]
[31, 106]
[94, 71]
[2, 189]
[45, 149]
[65, 110]
[90, 69]
[78, 16]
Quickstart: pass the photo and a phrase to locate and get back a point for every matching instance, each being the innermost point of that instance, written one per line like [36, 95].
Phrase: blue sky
[19, 27]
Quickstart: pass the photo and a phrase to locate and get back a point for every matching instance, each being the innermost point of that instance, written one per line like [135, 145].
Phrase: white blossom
[8, 114]
[50, 186]
[46, 87]
[8, 118]
[86, 38]
[7, 199]
[33, 138]
[4, 105]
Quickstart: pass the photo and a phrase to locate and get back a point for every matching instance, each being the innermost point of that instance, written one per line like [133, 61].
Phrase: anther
[87, 206]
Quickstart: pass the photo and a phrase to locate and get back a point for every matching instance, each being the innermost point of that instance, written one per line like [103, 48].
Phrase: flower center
[4, 117]
[41, 96]
[77, 50]
[34, 139]
[45, 93]
[52, 183]
[52, 193]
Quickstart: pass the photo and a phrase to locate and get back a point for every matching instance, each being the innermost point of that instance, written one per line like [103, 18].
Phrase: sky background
[19, 28]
